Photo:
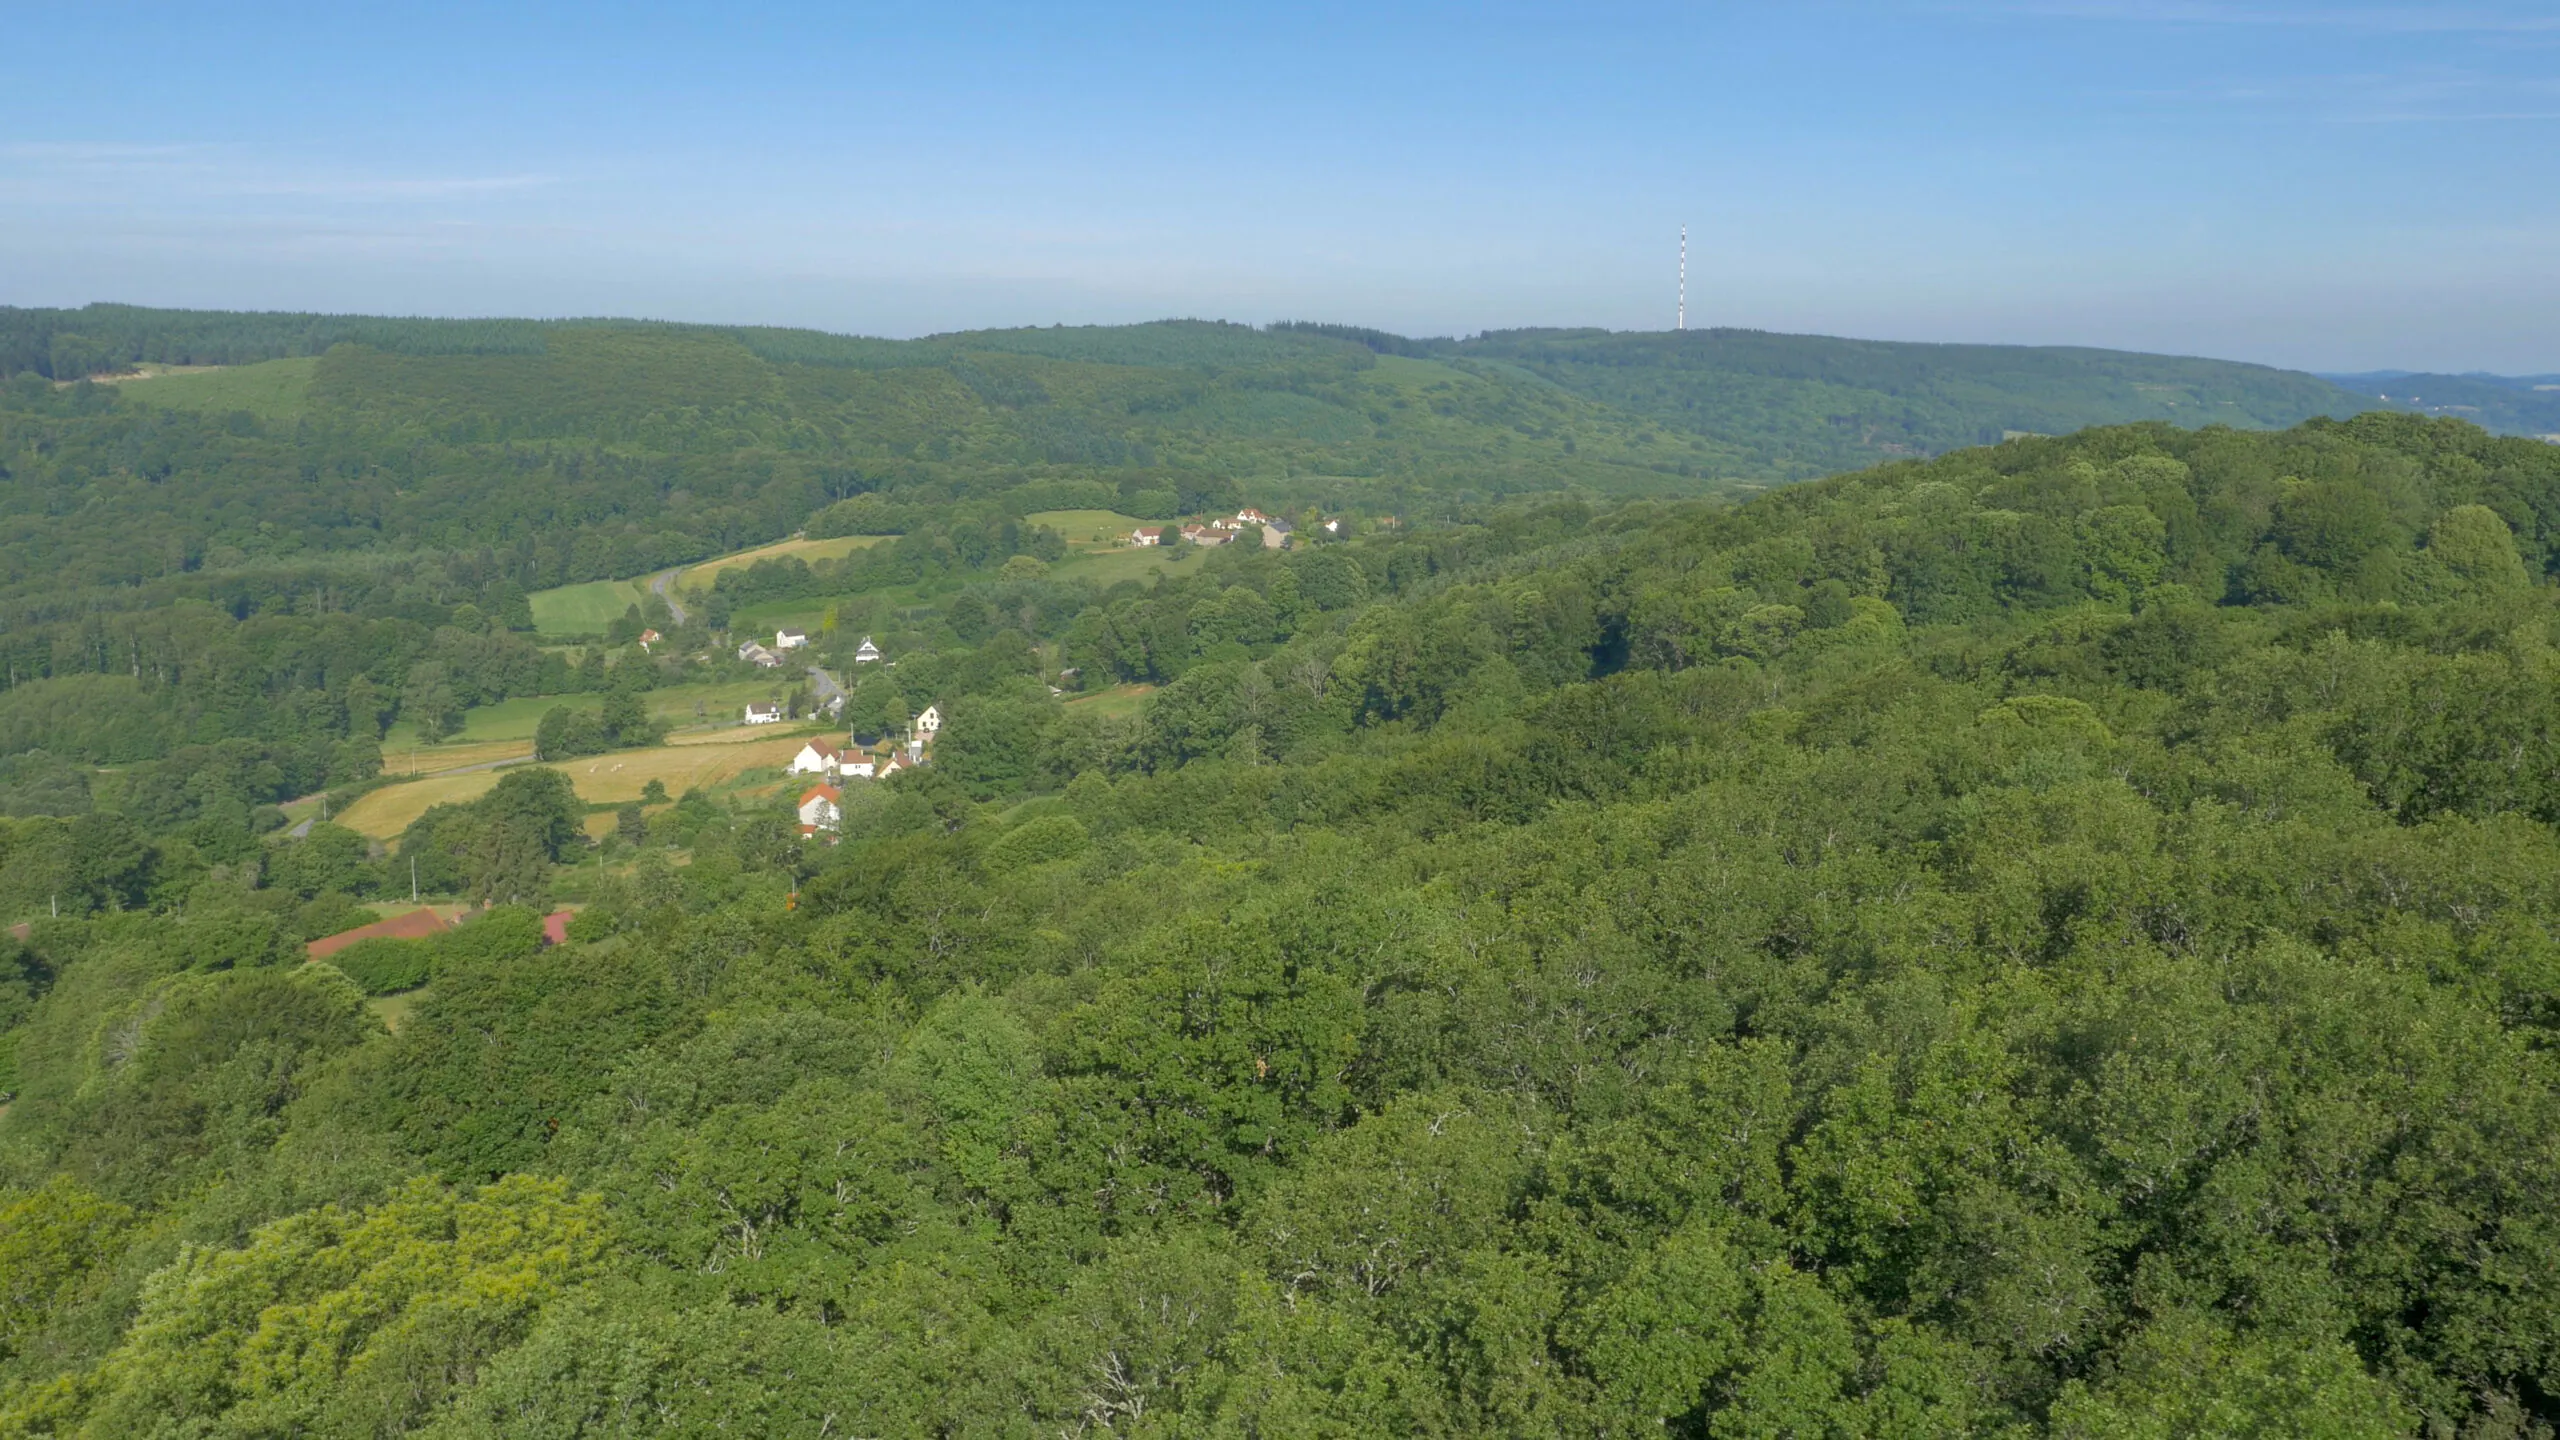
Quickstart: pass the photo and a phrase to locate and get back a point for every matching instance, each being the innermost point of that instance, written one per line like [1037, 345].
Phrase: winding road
[663, 585]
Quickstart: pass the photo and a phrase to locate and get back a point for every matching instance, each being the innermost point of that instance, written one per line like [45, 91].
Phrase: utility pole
[413, 879]
[1683, 321]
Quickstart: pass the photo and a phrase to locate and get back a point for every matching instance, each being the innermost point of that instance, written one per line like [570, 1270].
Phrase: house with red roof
[818, 757]
[821, 808]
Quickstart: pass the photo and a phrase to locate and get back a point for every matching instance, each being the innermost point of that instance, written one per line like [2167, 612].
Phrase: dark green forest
[2058, 938]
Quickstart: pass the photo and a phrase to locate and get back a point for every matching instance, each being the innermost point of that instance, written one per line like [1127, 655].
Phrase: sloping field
[428, 759]
[1088, 529]
[600, 779]
[270, 390]
[1118, 700]
[1109, 566]
[583, 609]
[706, 574]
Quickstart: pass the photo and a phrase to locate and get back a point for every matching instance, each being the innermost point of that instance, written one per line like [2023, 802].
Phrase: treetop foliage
[2059, 938]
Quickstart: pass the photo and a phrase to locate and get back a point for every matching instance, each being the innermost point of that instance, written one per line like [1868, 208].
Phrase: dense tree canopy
[2062, 938]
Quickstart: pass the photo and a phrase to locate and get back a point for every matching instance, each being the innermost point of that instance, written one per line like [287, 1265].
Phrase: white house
[866, 652]
[816, 758]
[854, 765]
[756, 654]
[649, 638]
[1147, 535]
[821, 808]
[1251, 516]
[764, 712]
[1332, 526]
[790, 639]
[1205, 535]
[929, 724]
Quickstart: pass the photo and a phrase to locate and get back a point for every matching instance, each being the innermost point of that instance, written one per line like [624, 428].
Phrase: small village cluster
[755, 653]
[822, 804]
[833, 765]
[1276, 532]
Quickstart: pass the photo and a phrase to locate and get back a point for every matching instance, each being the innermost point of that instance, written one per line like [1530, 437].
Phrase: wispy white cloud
[74, 172]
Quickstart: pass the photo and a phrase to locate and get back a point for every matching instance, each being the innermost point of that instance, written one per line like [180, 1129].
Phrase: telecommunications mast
[1683, 321]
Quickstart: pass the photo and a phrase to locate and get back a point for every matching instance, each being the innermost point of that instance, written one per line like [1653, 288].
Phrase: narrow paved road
[823, 685]
[483, 765]
[663, 585]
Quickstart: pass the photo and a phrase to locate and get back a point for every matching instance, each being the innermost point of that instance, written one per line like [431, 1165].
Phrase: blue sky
[2338, 186]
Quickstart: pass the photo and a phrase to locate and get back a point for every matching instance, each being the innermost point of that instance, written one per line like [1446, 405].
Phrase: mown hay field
[612, 779]
[701, 577]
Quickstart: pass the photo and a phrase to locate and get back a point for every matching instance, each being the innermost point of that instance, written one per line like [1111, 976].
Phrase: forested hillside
[2057, 939]
[2513, 405]
[1808, 405]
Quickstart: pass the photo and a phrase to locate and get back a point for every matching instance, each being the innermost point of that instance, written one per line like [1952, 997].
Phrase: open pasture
[583, 609]
[431, 759]
[1081, 526]
[611, 779]
[703, 576]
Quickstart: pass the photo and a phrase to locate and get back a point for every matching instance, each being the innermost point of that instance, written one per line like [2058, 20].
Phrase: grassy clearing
[760, 621]
[719, 701]
[1118, 700]
[583, 609]
[508, 720]
[1082, 526]
[270, 390]
[613, 779]
[1110, 567]
[505, 730]
[704, 575]
[394, 1010]
[428, 759]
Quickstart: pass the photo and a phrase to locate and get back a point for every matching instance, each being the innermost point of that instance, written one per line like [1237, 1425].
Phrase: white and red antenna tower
[1683, 322]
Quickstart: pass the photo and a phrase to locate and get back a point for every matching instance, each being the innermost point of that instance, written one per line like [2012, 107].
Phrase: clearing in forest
[703, 576]
[274, 390]
[615, 778]
[583, 609]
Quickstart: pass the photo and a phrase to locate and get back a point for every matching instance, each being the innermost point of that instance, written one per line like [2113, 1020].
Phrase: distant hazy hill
[1806, 406]
[1504, 411]
[2510, 404]
[1809, 404]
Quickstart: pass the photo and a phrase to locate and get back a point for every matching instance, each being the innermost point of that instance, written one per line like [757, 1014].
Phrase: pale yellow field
[600, 779]
[702, 576]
